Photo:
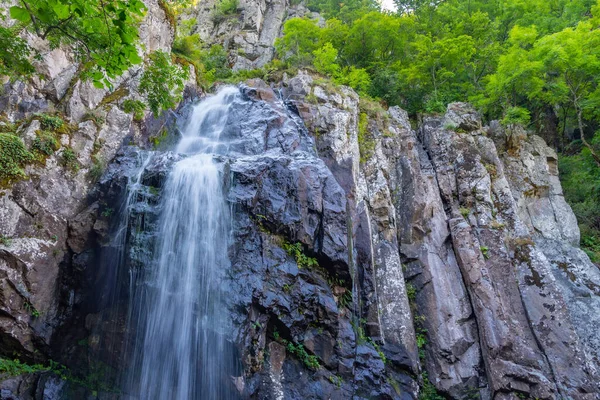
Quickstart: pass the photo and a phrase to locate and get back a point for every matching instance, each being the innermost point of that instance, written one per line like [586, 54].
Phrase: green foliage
[136, 107]
[580, 178]
[296, 251]
[97, 169]
[336, 380]
[300, 39]
[428, 391]
[299, 351]
[485, 251]
[516, 116]
[16, 367]
[411, 292]
[44, 144]
[94, 380]
[14, 54]
[187, 46]
[324, 60]
[162, 82]
[50, 122]
[223, 9]
[32, 310]
[104, 36]
[13, 157]
[5, 241]
[366, 142]
[69, 160]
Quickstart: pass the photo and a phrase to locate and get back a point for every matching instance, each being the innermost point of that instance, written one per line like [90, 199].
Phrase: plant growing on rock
[299, 351]
[50, 122]
[296, 251]
[69, 160]
[224, 9]
[5, 241]
[44, 145]
[13, 157]
[136, 107]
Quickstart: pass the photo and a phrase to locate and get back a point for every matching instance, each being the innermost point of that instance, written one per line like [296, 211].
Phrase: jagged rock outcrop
[248, 33]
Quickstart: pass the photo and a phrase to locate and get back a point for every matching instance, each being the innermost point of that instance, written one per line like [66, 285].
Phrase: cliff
[369, 257]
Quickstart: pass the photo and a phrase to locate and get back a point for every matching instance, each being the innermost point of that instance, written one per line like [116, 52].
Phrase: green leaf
[20, 14]
[61, 10]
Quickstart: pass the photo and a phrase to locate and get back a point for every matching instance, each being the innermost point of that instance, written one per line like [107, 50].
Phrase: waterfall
[180, 351]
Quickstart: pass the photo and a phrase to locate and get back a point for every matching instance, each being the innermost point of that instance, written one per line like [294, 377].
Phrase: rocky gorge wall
[382, 250]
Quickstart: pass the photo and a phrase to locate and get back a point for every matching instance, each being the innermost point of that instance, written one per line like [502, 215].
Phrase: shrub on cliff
[13, 157]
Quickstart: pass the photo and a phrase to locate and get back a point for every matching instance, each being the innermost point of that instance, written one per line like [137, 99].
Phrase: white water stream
[180, 351]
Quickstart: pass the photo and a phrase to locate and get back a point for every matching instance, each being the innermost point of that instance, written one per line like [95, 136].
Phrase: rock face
[248, 33]
[448, 250]
[383, 251]
[46, 221]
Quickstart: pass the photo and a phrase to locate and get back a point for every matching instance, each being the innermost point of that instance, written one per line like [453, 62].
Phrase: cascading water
[180, 351]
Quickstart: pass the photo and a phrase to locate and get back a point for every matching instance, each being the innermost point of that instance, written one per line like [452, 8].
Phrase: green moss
[464, 212]
[114, 96]
[13, 157]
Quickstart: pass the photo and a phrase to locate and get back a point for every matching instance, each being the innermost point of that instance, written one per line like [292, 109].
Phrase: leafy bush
[215, 62]
[324, 60]
[69, 160]
[162, 82]
[16, 367]
[50, 123]
[296, 251]
[516, 116]
[136, 107]
[13, 157]
[299, 351]
[45, 144]
[188, 47]
[580, 178]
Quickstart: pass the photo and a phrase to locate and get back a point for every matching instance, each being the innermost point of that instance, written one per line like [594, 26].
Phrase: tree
[162, 82]
[571, 60]
[103, 34]
[14, 54]
[300, 38]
